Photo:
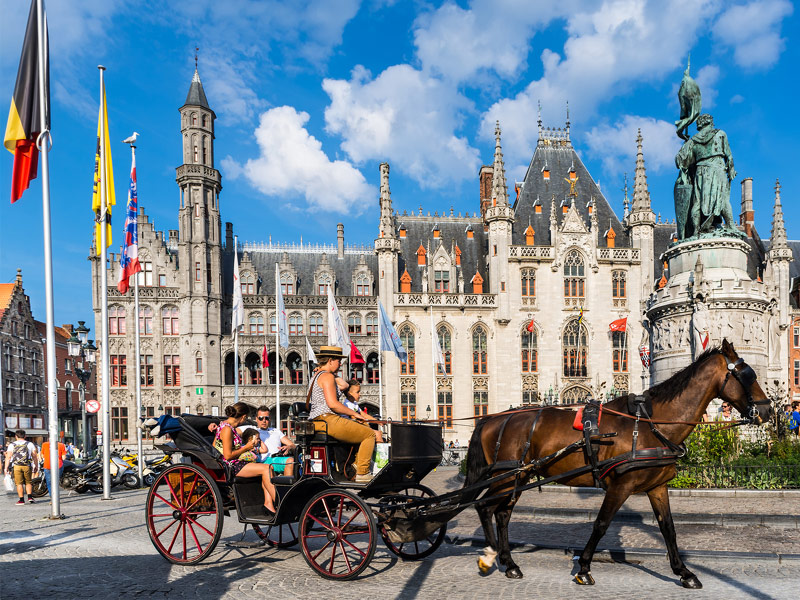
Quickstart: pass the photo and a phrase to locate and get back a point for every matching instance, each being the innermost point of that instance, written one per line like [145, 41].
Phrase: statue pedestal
[737, 306]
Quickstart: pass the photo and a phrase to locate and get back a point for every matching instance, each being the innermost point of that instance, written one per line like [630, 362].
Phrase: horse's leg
[615, 497]
[502, 516]
[486, 560]
[659, 500]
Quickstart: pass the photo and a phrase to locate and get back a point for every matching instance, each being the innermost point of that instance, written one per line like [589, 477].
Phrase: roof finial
[499, 189]
[625, 199]
[539, 118]
[196, 50]
[778, 237]
[641, 193]
[567, 127]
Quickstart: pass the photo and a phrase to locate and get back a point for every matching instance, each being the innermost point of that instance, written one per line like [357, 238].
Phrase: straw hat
[330, 352]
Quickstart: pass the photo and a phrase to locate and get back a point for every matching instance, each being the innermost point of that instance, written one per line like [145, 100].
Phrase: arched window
[354, 324]
[407, 338]
[248, 283]
[287, 284]
[575, 343]
[272, 362]
[295, 364]
[230, 368]
[530, 357]
[323, 282]
[528, 279]
[116, 320]
[620, 351]
[372, 368]
[272, 323]
[205, 150]
[315, 324]
[618, 279]
[362, 285]
[252, 362]
[575, 395]
[447, 350]
[68, 394]
[194, 118]
[256, 322]
[574, 276]
[170, 317]
[295, 324]
[372, 324]
[145, 320]
[479, 351]
[205, 121]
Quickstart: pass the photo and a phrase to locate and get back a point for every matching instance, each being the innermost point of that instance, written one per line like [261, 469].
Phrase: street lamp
[428, 413]
[80, 346]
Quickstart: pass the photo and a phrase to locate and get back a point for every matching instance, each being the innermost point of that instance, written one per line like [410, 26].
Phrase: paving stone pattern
[102, 550]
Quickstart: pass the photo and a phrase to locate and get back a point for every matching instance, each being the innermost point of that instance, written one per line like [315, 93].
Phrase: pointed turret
[196, 95]
[641, 195]
[778, 237]
[387, 246]
[499, 187]
[625, 203]
[387, 215]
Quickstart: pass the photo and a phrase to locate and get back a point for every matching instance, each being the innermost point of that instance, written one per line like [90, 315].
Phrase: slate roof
[794, 266]
[559, 159]
[196, 95]
[419, 231]
[662, 238]
[305, 264]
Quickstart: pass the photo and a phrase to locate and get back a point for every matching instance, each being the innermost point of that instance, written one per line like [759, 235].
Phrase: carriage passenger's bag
[380, 458]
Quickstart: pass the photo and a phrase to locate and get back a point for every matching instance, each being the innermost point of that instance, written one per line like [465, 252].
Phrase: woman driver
[325, 405]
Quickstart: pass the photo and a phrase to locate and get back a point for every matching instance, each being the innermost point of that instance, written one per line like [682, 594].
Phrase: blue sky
[312, 95]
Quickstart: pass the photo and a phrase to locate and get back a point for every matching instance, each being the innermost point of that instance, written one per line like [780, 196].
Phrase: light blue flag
[389, 338]
[283, 327]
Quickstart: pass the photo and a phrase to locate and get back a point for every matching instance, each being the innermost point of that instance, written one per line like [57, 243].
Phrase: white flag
[438, 357]
[283, 327]
[390, 340]
[238, 303]
[337, 332]
[311, 356]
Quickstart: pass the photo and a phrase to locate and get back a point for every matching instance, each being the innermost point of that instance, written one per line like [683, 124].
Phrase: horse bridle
[746, 377]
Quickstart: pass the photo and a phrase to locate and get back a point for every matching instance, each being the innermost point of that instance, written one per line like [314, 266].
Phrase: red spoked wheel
[278, 536]
[420, 548]
[184, 514]
[337, 534]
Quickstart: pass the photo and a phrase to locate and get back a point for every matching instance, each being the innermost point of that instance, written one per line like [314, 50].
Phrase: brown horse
[684, 397]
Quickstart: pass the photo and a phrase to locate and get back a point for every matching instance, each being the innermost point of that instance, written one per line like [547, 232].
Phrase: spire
[539, 118]
[387, 219]
[196, 95]
[567, 124]
[499, 190]
[778, 237]
[641, 195]
[625, 203]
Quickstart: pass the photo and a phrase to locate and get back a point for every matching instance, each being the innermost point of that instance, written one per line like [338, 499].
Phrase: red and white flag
[129, 256]
[355, 355]
[619, 324]
[644, 354]
[530, 327]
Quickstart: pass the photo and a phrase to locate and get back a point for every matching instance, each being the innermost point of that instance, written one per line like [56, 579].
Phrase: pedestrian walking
[794, 419]
[62, 451]
[22, 457]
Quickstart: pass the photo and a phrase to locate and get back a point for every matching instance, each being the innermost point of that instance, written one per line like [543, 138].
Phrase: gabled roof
[559, 160]
[6, 291]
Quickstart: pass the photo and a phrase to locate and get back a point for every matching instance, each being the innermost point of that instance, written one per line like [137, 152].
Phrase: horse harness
[746, 378]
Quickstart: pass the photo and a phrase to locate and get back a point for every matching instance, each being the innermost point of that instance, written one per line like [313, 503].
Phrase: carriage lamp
[428, 413]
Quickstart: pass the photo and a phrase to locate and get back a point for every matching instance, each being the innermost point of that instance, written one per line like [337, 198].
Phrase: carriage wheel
[420, 548]
[184, 514]
[337, 534]
[278, 536]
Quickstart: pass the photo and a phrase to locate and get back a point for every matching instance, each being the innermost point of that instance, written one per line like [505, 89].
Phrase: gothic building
[556, 256]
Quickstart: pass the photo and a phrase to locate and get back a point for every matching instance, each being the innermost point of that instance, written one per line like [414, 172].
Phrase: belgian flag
[25, 116]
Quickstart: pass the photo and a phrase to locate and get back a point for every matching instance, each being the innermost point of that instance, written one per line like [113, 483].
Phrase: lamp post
[428, 413]
[79, 346]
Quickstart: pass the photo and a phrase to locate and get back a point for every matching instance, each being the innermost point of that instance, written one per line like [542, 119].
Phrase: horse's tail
[476, 459]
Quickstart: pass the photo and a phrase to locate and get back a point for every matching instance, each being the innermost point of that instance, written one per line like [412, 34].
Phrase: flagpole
[52, 383]
[277, 353]
[380, 376]
[106, 397]
[236, 331]
[435, 364]
[138, 355]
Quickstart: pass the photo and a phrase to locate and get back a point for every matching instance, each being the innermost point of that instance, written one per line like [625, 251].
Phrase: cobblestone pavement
[102, 550]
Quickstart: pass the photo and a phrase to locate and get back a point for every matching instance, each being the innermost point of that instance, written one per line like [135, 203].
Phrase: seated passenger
[234, 453]
[326, 408]
[279, 448]
[352, 394]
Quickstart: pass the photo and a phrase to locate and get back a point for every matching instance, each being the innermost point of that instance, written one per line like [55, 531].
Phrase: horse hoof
[584, 579]
[514, 573]
[691, 582]
[483, 566]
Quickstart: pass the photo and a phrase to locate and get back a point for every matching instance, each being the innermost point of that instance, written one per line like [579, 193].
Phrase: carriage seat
[298, 409]
[276, 480]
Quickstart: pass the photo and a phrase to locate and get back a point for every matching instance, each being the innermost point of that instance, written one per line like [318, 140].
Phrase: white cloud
[707, 78]
[292, 162]
[610, 49]
[737, 99]
[615, 144]
[456, 43]
[406, 118]
[753, 30]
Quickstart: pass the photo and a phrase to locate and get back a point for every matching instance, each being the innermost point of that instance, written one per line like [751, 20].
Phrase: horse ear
[727, 347]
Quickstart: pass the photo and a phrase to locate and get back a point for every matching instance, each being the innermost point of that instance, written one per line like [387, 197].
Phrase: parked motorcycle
[152, 468]
[78, 477]
[121, 474]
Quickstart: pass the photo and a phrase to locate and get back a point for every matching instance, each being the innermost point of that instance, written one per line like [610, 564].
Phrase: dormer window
[546, 173]
[402, 231]
[529, 233]
[441, 281]
[421, 255]
[477, 283]
[405, 283]
[436, 231]
[287, 284]
[324, 281]
[458, 256]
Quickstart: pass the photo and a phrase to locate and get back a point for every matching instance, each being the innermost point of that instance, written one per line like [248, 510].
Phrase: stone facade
[556, 255]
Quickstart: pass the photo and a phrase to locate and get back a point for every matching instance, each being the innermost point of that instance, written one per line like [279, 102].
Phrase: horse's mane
[669, 389]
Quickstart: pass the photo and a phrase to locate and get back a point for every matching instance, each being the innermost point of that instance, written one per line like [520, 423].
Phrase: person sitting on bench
[326, 406]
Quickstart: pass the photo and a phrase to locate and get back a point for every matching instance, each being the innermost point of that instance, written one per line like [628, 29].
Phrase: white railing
[535, 252]
[454, 300]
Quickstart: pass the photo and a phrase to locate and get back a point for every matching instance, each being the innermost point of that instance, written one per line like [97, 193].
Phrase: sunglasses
[262, 418]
